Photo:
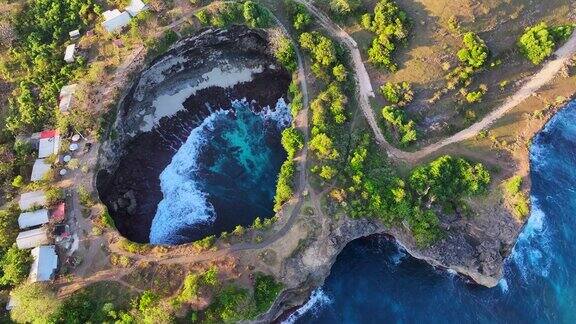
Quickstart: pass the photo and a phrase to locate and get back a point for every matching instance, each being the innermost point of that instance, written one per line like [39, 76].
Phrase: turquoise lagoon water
[224, 175]
[374, 281]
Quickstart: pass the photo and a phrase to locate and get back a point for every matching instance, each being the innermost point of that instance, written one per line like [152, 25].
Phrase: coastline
[295, 298]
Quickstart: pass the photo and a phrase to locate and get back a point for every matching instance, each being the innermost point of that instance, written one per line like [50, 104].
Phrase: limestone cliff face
[475, 248]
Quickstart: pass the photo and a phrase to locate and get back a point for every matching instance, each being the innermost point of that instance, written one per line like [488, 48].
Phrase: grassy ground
[433, 45]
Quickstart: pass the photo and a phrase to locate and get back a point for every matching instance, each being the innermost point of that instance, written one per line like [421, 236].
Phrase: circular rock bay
[195, 149]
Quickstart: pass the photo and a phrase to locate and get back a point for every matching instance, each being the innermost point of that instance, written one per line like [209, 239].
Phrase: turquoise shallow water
[374, 281]
[224, 175]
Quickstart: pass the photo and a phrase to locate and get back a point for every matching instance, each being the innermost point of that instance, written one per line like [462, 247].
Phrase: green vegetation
[301, 18]
[205, 243]
[399, 95]
[292, 141]
[285, 184]
[233, 304]
[98, 303]
[194, 282]
[227, 13]
[447, 180]
[324, 53]
[266, 289]
[36, 63]
[539, 41]
[285, 54]
[344, 7]
[36, 304]
[405, 128]
[15, 264]
[133, 247]
[390, 24]
[516, 198]
[373, 190]
[296, 98]
[475, 52]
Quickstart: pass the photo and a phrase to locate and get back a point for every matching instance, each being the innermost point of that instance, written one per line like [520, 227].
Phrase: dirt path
[534, 83]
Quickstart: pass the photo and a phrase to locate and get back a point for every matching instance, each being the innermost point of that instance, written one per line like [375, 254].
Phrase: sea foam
[317, 300]
[184, 204]
[532, 251]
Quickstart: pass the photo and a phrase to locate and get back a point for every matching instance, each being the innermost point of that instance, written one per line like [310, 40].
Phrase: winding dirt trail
[533, 84]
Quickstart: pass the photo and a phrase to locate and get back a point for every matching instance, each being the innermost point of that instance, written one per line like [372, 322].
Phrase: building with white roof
[70, 52]
[74, 34]
[39, 170]
[32, 238]
[66, 97]
[32, 199]
[49, 143]
[33, 218]
[135, 7]
[114, 20]
[45, 263]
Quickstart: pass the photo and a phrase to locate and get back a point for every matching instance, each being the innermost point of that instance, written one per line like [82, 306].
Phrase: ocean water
[374, 281]
[224, 175]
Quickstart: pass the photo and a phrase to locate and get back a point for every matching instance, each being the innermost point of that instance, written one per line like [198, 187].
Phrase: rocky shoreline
[128, 182]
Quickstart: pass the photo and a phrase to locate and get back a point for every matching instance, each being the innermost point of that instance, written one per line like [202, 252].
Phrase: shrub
[390, 24]
[537, 43]
[292, 141]
[400, 94]
[266, 289]
[285, 54]
[134, 247]
[205, 243]
[284, 185]
[15, 264]
[475, 52]
[18, 181]
[36, 304]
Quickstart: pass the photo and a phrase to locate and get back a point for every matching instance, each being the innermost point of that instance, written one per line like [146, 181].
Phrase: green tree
[285, 54]
[447, 179]
[390, 24]
[15, 265]
[266, 289]
[36, 304]
[537, 43]
[475, 52]
[344, 7]
[8, 226]
[292, 141]
[255, 15]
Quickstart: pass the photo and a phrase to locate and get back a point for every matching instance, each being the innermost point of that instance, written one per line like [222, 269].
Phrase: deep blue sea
[374, 281]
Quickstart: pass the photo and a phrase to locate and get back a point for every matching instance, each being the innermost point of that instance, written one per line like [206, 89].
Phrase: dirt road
[534, 83]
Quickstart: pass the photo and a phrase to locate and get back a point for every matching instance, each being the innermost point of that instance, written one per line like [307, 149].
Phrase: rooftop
[45, 263]
[31, 199]
[33, 218]
[32, 238]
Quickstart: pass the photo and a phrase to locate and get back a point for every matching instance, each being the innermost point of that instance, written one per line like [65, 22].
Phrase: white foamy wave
[503, 284]
[317, 300]
[532, 250]
[184, 204]
[400, 255]
[280, 114]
